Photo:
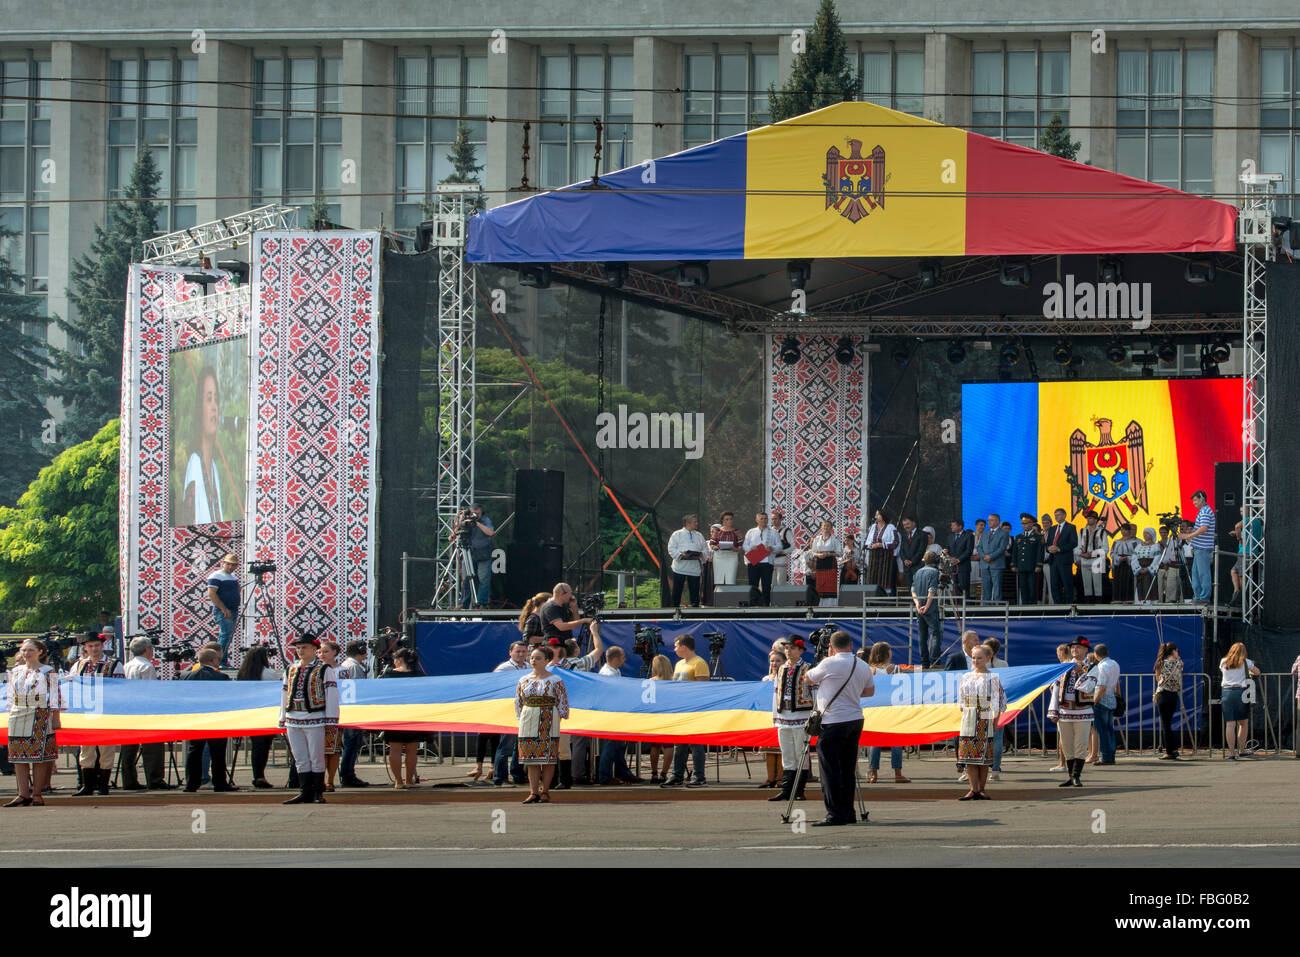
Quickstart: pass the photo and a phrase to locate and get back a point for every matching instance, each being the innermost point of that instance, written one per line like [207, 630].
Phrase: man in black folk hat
[309, 703]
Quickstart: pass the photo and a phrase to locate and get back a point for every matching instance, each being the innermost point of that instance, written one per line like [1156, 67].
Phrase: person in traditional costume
[982, 700]
[1071, 710]
[879, 545]
[34, 705]
[309, 705]
[329, 653]
[541, 702]
[95, 761]
[792, 703]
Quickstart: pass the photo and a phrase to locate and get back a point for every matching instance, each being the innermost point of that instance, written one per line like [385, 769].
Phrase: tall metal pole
[1256, 235]
[456, 385]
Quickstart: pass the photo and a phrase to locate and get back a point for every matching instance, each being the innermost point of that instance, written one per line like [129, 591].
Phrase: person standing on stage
[1094, 544]
[1201, 538]
[1070, 710]
[725, 545]
[842, 681]
[1062, 539]
[781, 560]
[1026, 557]
[992, 548]
[477, 589]
[760, 570]
[925, 596]
[961, 546]
[309, 706]
[686, 549]
[823, 555]
[879, 545]
[1121, 563]
[223, 596]
[1146, 566]
[911, 548]
[34, 706]
[96, 761]
[792, 703]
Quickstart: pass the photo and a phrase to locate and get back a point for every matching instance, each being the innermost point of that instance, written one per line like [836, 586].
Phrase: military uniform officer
[1026, 559]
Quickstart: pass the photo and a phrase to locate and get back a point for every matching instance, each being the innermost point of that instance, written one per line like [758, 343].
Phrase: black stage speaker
[1280, 610]
[789, 596]
[539, 506]
[851, 595]
[730, 596]
[1227, 513]
[532, 567]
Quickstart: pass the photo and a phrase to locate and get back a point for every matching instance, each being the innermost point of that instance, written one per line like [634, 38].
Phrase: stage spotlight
[844, 351]
[692, 275]
[956, 352]
[799, 271]
[790, 350]
[929, 272]
[1014, 272]
[1199, 272]
[1062, 352]
[1209, 368]
[1220, 350]
[1166, 351]
[901, 354]
[1009, 354]
[1115, 352]
[535, 275]
[1110, 269]
[613, 274]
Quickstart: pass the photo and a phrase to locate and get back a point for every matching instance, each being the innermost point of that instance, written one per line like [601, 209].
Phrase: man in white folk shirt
[781, 559]
[842, 681]
[760, 571]
[686, 548]
[309, 702]
[505, 763]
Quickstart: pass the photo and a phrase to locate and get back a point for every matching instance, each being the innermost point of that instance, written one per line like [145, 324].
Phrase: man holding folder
[761, 543]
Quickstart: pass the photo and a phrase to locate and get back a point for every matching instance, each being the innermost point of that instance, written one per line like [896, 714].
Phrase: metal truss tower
[456, 386]
[1256, 234]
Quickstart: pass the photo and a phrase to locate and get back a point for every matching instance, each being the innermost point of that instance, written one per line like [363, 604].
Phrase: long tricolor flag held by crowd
[905, 709]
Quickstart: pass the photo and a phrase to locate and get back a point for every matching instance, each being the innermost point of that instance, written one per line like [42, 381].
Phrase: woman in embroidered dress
[725, 543]
[982, 700]
[540, 703]
[34, 705]
[879, 545]
[329, 653]
[775, 660]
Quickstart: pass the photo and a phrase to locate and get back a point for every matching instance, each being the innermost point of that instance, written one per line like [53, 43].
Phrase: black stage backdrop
[1282, 528]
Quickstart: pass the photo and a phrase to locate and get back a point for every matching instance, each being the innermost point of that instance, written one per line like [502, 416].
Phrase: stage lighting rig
[1209, 368]
[1009, 354]
[929, 272]
[1062, 352]
[1110, 269]
[956, 352]
[1014, 272]
[1115, 352]
[613, 274]
[692, 275]
[790, 350]
[844, 351]
[1166, 351]
[799, 272]
[1220, 351]
[1199, 272]
[535, 275]
[901, 353]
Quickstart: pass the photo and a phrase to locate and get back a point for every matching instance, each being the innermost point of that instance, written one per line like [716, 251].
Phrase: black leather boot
[89, 777]
[307, 794]
[319, 778]
[103, 779]
[787, 786]
[1078, 770]
[566, 777]
[1069, 774]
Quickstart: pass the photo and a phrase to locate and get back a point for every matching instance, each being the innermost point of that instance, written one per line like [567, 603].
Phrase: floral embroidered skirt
[39, 746]
[543, 749]
[333, 739]
[978, 748]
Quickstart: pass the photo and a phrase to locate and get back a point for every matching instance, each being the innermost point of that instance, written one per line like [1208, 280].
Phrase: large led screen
[208, 396]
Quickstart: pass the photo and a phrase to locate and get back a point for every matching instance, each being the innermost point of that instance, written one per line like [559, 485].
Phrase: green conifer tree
[822, 75]
[23, 385]
[1055, 139]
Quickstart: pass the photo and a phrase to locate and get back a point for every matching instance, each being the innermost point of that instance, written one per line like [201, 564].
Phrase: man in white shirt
[612, 767]
[1104, 702]
[353, 668]
[760, 572]
[141, 668]
[781, 559]
[686, 548]
[506, 759]
[841, 710]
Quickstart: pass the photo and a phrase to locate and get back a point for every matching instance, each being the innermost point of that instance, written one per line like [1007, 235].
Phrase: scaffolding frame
[187, 245]
[457, 381]
[1255, 231]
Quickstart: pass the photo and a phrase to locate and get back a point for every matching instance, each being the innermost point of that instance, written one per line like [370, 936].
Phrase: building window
[24, 178]
[154, 101]
[1279, 148]
[432, 85]
[1016, 92]
[894, 79]
[297, 132]
[726, 93]
[1161, 94]
[577, 88]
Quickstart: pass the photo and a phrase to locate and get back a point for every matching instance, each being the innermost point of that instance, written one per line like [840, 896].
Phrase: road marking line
[1093, 847]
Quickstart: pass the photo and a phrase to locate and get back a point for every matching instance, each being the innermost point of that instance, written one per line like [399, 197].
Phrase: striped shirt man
[1205, 520]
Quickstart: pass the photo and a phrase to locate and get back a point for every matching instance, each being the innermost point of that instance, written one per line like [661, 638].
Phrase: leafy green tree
[90, 369]
[1055, 139]
[58, 547]
[823, 74]
[318, 213]
[22, 382]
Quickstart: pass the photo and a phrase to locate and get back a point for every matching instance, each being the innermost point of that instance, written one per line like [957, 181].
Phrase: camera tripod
[250, 614]
[799, 772]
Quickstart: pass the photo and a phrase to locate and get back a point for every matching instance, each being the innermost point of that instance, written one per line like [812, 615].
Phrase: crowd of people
[1049, 560]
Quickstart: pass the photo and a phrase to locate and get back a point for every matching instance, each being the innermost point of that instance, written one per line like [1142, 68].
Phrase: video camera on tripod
[261, 568]
[821, 641]
[175, 653]
[591, 605]
[57, 641]
[647, 641]
[1170, 521]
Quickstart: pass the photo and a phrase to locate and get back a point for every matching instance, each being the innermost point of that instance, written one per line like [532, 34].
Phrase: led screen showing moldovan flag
[1127, 449]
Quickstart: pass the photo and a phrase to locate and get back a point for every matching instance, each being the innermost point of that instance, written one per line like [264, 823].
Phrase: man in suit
[961, 660]
[961, 546]
[911, 549]
[992, 551]
[1062, 539]
[1026, 556]
[206, 670]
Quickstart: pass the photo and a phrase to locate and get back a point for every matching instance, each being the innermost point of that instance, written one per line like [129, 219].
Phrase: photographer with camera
[474, 531]
[223, 595]
[686, 548]
[559, 615]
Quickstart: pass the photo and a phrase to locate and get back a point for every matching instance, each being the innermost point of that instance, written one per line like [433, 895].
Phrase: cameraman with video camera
[474, 531]
[559, 615]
